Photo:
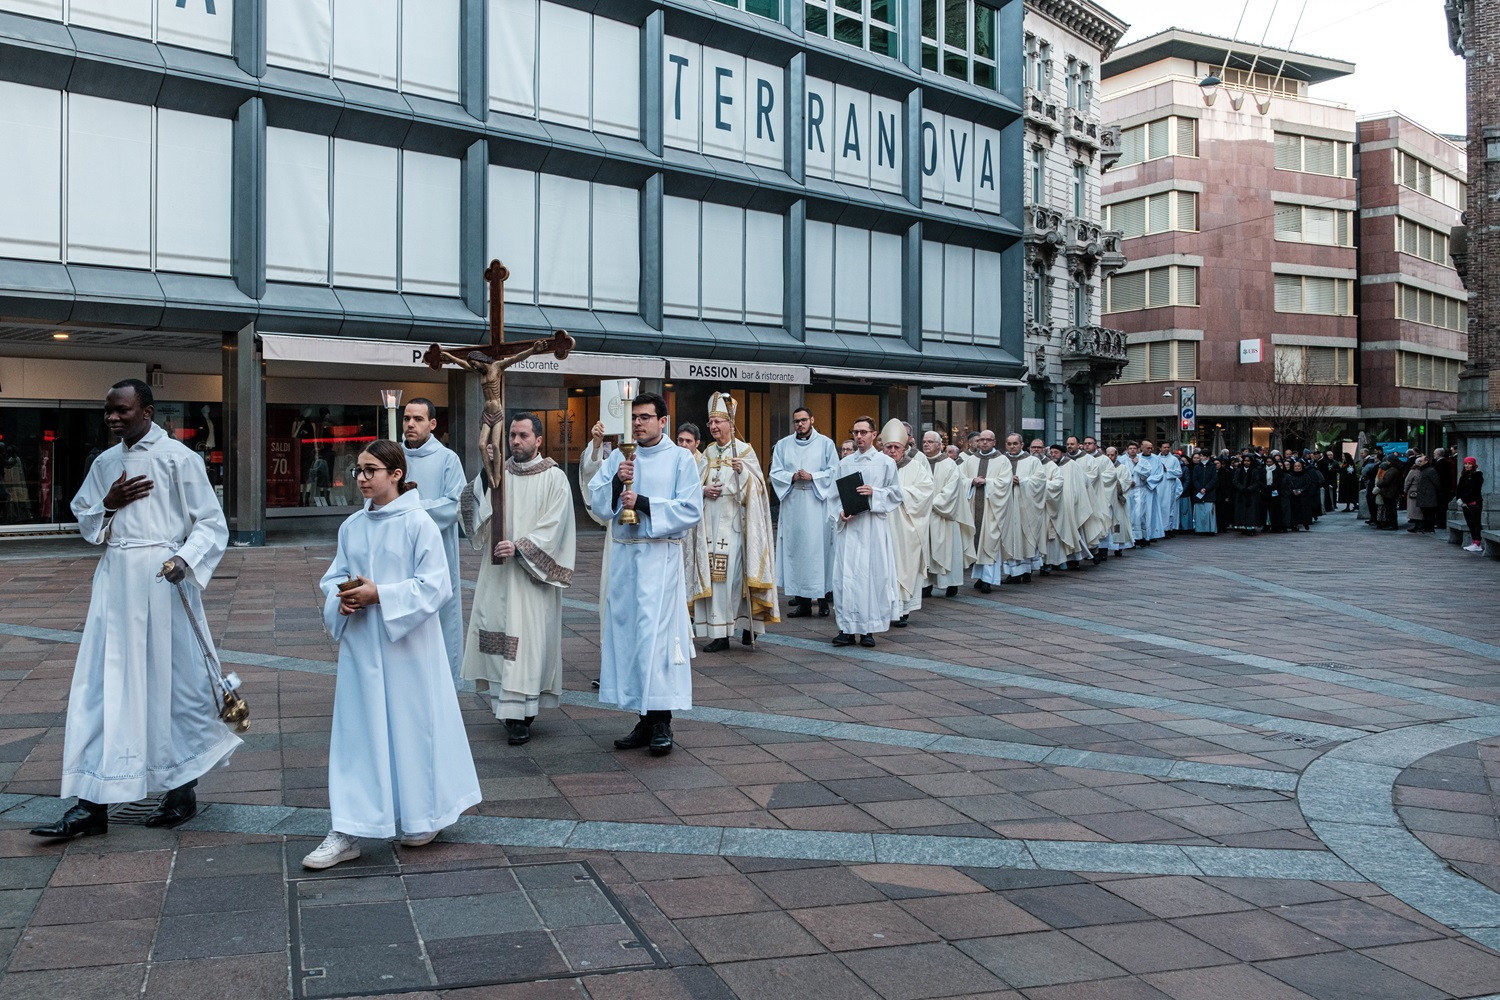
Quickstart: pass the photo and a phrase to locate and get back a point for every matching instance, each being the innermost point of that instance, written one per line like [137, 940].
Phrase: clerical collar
[986, 454]
[805, 437]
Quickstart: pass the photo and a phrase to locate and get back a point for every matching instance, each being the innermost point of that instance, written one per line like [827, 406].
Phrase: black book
[853, 501]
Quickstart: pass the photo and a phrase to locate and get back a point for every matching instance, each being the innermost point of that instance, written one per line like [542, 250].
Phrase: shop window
[311, 448]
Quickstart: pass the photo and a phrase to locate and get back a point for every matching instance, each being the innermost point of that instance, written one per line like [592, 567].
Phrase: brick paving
[1263, 768]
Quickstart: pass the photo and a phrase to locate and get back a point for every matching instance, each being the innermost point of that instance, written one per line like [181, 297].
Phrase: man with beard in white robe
[439, 477]
[866, 593]
[802, 468]
[1147, 495]
[1073, 510]
[945, 537]
[1051, 555]
[1096, 524]
[647, 640]
[909, 545]
[143, 717]
[975, 470]
[1170, 491]
[514, 652]
[1014, 518]
[732, 582]
[1120, 477]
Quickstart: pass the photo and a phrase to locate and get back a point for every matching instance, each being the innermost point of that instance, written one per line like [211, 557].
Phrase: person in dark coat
[1278, 500]
[1368, 476]
[1226, 467]
[1203, 494]
[1303, 496]
[1447, 474]
[1349, 485]
[1470, 493]
[1250, 495]
[1423, 494]
[1388, 480]
[1328, 468]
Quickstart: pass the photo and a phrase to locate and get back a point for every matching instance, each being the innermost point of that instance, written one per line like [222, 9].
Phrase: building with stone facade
[269, 208]
[1413, 308]
[1238, 213]
[1070, 354]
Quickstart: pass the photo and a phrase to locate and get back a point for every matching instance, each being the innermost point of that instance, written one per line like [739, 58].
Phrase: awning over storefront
[399, 354]
[917, 378]
[740, 371]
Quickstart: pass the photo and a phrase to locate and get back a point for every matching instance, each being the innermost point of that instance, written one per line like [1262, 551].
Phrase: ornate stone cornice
[1457, 14]
[1085, 19]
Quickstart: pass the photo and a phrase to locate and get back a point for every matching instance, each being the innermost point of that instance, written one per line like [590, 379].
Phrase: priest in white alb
[736, 591]
[514, 652]
[652, 501]
[945, 536]
[142, 715]
[802, 471]
[908, 521]
[866, 592]
[1122, 477]
[1013, 518]
[439, 477]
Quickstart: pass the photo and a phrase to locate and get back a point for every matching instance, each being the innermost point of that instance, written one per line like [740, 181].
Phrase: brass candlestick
[629, 516]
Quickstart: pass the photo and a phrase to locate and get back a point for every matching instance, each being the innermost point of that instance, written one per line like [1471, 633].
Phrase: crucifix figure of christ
[489, 363]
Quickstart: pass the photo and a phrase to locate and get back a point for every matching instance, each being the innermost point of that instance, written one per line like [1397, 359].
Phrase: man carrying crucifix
[514, 649]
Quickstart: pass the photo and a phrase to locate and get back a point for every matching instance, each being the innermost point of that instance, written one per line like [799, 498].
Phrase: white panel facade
[886, 144]
[723, 104]
[958, 293]
[366, 41]
[297, 207]
[194, 163]
[364, 215]
[765, 268]
[723, 266]
[123, 17]
[986, 170]
[563, 94]
[31, 161]
[562, 239]
[512, 229]
[933, 160]
[680, 242]
[429, 224]
[987, 288]
[852, 140]
[299, 34]
[197, 24]
[885, 283]
[617, 77]
[429, 48]
[50, 9]
[819, 275]
[681, 84]
[765, 88]
[851, 278]
[958, 162]
[821, 128]
[932, 289]
[109, 182]
[512, 56]
[616, 251]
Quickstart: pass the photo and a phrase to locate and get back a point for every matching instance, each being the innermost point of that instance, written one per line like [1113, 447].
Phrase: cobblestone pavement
[1220, 768]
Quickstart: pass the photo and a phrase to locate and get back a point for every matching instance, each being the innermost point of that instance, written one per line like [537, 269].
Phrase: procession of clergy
[690, 551]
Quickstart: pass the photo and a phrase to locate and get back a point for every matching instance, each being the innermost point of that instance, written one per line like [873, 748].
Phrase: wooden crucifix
[489, 364]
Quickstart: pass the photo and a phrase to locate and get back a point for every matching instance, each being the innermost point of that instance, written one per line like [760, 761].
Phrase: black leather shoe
[177, 806]
[85, 819]
[800, 610]
[982, 587]
[867, 640]
[517, 732]
[638, 737]
[745, 638]
[927, 591]
[952, 592]
[822, 607]
[901, 622]
[661, 739]
[717, 646]
[1025, 577]
[595, 683]
[843, 639]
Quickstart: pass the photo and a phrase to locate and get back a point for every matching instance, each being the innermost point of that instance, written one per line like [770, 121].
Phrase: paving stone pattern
[1221, 768]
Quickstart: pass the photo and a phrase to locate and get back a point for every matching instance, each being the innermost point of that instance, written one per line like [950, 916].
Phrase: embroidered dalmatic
[733, 586]
[514, 648]
[646, 643]
[142, 717]
[439, 476]
[398, 757]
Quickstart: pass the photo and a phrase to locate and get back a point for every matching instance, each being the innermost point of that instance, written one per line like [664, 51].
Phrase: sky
[1400, 47]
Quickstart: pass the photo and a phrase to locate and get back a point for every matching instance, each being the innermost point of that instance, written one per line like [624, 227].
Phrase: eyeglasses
[801, 420]
[368, 471]
[636, 418]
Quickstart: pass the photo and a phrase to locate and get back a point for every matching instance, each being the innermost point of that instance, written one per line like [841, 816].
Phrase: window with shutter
[1187, 360]
[1318, 156]
[1342, 149]
[1187, 211]
[1288, 293]
[1343, 289]
[1321, 367]
[1318, 226]
[1424, 243]
[1318, 295]
[1158, 287]
[1425, 301]
[1158, 139]
[1159, 213]
[1187, 137]
[1346, 229]
[1187, 286]
[1127, 291]
[1289, 222]
[1408, 236]
[1289, 365]
[1135, 364]
[1160, 362]
[1344, 366]
[1288, 151]
[1408, 167]
[1129, 217]
[1132, 145]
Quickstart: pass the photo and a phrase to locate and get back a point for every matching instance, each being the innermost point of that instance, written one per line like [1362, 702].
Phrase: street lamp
[391, 399]
[1426, 404]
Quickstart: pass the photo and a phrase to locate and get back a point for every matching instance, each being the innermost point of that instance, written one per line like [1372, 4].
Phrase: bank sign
[726, 105]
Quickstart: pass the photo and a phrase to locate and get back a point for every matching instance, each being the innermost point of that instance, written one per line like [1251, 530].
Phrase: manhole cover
[391, 932]
[1297, 739]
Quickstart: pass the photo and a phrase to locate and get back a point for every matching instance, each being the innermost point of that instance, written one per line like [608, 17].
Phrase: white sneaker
[335, 849]
[1473, 547]
[418, 839]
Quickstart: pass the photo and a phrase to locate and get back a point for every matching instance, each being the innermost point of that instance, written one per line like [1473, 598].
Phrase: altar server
[866, 593]
[802, 472]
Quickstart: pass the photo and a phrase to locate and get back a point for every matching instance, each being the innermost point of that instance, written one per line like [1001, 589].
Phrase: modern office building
[1413, 312]
[270, 207]
[1238, 207]
[1069, 250]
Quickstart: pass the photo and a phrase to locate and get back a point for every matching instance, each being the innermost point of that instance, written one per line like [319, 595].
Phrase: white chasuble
[398, 757]
[646, 642]
[866, 593]
[142, 714]
[804, 536]
[945, 535]
[908, 522]
[1122, 504]
[514, 649]
[439, 476]
[734, 551]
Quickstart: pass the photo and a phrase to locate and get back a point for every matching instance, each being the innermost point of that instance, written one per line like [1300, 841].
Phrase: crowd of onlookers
[1425, 487]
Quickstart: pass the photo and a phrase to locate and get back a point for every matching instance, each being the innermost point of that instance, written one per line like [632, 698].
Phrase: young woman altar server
[398, 756]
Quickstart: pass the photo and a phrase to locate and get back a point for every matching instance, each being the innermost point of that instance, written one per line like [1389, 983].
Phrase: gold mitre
[722, 404]
[894, 432]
